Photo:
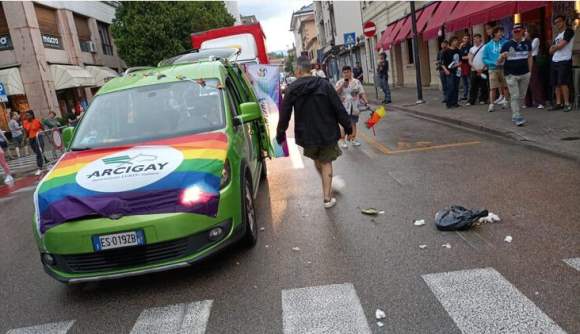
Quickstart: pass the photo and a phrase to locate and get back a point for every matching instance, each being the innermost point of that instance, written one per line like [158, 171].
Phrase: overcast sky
[274, 16]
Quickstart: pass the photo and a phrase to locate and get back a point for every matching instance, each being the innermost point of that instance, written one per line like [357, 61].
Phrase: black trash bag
[457, 218]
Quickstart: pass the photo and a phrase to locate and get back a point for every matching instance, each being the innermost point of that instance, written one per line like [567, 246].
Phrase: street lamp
[416, 54]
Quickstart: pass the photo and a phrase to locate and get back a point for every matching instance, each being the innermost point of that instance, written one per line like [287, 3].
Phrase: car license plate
[118, 240]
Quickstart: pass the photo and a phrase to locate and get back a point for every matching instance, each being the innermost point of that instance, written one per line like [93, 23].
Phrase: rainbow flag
[172, 175]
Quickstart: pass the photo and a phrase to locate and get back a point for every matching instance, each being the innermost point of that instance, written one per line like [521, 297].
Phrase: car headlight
[226, 175]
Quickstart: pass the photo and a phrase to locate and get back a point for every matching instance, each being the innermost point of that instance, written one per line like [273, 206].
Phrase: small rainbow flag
[172, 175]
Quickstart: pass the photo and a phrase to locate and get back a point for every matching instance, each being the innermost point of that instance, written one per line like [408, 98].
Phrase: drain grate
[570, 138]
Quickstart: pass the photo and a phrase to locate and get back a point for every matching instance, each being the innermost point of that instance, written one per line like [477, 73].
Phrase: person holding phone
[351, 92]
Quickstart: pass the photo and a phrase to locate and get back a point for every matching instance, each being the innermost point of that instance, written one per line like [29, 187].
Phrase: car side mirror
[67, 135]
[249, 112]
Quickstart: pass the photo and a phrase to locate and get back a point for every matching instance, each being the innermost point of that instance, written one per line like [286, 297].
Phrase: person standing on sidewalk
[517, 57]
[439, 66]
[16, 130]
[33, 127]
[451, 68]
[8, 179]
[561, 52]
[491, 53]
[465, 67]
[318, 112]
[350, 91]
[478, 75]
[383, 75]
[536, 95]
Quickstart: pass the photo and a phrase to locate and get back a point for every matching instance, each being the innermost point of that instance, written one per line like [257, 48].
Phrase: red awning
[445, 9]
[427, 13]
[470, 13]
[526, 6]
[405, 31]
[389, 35]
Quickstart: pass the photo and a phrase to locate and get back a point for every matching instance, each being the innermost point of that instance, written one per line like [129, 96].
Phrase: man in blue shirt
[517, 57]
[491, 53]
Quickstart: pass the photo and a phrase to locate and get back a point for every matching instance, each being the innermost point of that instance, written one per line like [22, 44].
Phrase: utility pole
[416, 54]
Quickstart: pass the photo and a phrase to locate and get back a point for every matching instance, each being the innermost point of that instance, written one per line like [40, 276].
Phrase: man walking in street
[383, 74]
[517, 55]
[478, 77]
[451, 63]
[318, 112]
[491, 59]
[33, 127]
[350, 91]
[561, 52]
[439, 66]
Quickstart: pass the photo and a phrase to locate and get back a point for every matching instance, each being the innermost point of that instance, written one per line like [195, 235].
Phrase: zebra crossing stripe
[573, 262]
[180, 318]
[324, 309]
[483, 301]
[51, 328]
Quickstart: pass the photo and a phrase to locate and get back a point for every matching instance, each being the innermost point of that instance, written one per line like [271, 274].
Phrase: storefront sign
[5, 42]
[51, 41]
[3, 96]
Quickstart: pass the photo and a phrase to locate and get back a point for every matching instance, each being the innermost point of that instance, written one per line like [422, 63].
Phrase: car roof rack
[201, 55]
[135, 69]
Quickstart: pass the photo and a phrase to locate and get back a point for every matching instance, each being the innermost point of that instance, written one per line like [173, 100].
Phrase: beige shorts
[496, 79]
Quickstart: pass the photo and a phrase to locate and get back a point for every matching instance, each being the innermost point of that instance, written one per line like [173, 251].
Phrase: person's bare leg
[565, 94]
[353, 136]
[326, 173]
[558, 92]
[318, 168]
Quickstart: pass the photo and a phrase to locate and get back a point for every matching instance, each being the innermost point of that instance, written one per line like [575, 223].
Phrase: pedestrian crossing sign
[3, 96]
[349, 39]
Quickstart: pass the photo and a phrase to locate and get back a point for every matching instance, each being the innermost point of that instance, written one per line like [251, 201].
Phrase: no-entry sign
[369, 29]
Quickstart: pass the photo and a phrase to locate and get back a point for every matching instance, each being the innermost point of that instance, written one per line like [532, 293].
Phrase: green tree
[289, 66]
[149, 31]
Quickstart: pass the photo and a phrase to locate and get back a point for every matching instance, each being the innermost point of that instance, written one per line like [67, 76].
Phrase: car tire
[249, 214]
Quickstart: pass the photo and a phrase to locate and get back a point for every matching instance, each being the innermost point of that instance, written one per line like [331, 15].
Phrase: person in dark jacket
[318, 112]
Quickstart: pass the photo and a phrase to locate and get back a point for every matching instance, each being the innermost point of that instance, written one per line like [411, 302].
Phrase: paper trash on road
[490, 218]
[422, 246]
[262, 229]
[447, 245]
[380, 323]
[371, 211]
[508, 239]
[419, 222]
[296, 249]
[380, 314]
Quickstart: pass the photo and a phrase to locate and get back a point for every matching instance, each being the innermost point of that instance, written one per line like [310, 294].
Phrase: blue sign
[3, 96]
[349, 39]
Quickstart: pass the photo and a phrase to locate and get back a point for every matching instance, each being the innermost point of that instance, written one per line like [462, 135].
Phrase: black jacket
[317, 113]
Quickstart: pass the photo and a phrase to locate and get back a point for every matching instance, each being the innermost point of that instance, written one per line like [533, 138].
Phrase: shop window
[83, 32]
[105, 38]
[48, 24]
[5, 41]
[410, 55]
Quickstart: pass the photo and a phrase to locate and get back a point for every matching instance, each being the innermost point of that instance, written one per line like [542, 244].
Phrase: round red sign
[369, 29]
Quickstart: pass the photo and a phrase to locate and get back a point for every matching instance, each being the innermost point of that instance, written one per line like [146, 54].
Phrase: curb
[485, 129]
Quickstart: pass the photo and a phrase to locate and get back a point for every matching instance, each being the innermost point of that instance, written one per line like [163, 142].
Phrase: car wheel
[249, 214]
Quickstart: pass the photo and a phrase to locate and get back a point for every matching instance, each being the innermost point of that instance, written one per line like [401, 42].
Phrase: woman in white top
[536, 96]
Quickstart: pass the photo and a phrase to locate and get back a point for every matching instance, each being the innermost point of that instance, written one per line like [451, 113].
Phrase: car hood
[172, 175]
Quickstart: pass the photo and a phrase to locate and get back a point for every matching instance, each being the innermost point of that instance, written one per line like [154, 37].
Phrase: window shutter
[82, 24]
[47, 20]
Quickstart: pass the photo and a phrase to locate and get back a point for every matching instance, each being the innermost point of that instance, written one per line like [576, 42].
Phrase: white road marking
[51, 328]
[573, 262]
[483, 301]
[180, 318]
[324, 309]
[295, 155]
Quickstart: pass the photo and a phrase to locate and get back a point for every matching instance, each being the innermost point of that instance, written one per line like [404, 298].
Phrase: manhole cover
[570, 138]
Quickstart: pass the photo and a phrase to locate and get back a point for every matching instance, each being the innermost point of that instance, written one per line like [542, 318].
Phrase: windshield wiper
[82, 148]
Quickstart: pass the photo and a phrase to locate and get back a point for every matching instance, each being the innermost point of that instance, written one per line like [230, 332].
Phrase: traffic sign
[3, 96]
[369, 29]
[349, 39]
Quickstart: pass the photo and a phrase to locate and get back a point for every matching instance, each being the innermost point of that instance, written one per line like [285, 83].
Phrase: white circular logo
[129, 170]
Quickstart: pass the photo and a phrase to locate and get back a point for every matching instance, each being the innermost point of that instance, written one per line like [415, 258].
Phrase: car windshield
[151, 112]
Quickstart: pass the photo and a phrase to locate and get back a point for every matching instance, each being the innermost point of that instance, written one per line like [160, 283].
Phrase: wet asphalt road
[411, 169]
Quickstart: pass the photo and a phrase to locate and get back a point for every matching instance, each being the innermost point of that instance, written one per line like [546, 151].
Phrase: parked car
[161, 172]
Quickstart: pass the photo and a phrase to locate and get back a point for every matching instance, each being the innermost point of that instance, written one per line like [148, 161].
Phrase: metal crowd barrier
[51, 144]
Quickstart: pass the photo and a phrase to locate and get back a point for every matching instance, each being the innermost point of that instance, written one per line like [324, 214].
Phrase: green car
[161, 172]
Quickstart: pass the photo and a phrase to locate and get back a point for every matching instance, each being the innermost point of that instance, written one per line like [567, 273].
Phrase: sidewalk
[556, 132]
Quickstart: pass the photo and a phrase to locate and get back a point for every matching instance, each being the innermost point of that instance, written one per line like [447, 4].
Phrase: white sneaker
[355, 142]
[330, 204]
[540, 106]
[499, 100]
[343, 144]
[38, 172]
[490, 108]
[9, 180]
[338, 183]
[524, 106]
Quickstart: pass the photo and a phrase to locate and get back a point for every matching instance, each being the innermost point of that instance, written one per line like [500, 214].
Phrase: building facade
[304, 31]
[54, 55]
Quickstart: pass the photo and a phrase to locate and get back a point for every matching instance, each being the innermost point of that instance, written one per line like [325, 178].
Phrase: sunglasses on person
[517, 31]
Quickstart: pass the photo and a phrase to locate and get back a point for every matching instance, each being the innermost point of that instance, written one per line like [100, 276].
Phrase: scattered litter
[296, 249]
[237, 263]
[536, 293]
[382, 212]
[370, 211]
[422, 246]
[262, 229]
[447, 245]
[508, 239]
[309, 262]
[419, 222]
[267, 246]
[255, 286]
[338, 183]
[457, 218]
[490, 218]
[380, 323]
[380, 314]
